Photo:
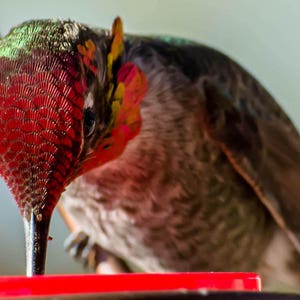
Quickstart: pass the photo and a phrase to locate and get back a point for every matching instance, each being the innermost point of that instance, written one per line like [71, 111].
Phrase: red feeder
[130, 284]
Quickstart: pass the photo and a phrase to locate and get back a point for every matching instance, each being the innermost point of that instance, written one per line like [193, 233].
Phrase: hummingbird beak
[36, 237]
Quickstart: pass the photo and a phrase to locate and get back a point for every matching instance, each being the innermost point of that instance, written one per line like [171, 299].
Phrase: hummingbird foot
[82, 248]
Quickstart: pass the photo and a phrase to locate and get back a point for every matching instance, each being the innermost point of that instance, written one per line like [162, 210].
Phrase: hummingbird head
[67, 104]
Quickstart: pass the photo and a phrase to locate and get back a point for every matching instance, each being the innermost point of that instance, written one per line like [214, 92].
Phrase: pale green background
[262, 35]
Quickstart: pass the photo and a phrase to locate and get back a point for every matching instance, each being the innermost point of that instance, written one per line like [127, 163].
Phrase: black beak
[36, 238]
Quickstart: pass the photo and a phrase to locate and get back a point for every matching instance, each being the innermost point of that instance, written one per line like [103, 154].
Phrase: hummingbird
[167, 153]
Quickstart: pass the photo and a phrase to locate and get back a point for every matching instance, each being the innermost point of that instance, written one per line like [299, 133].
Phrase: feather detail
[117, 46]
[126, 118]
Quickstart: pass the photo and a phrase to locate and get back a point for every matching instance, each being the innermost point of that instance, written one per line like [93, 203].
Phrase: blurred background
[262, 35]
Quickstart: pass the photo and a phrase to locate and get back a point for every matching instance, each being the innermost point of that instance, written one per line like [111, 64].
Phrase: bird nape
[167, 153]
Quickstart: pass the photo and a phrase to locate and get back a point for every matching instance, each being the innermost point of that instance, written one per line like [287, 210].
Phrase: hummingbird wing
[265, 152]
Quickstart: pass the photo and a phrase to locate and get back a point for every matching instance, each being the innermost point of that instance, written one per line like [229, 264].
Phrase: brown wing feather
[266, 153]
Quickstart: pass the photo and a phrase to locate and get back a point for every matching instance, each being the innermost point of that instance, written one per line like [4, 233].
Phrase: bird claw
[81, 247]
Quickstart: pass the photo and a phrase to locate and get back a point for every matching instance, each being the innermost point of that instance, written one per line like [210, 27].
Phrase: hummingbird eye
[88, 122]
